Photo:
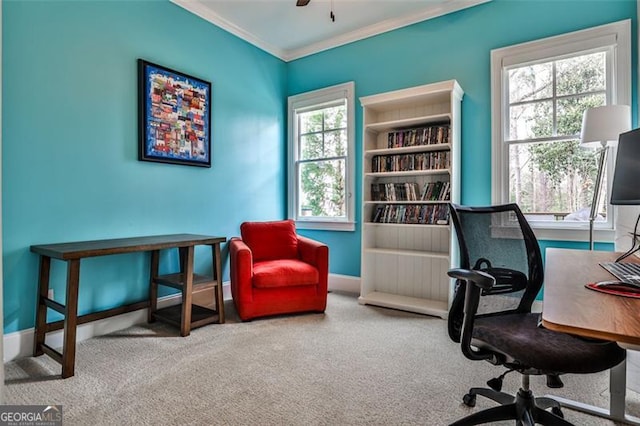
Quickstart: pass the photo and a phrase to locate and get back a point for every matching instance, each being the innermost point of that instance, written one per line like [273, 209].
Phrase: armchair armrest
[241, 269]
[317, 254]
[313, 252]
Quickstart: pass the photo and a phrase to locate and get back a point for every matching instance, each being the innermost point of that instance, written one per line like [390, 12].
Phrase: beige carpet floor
[353, 365]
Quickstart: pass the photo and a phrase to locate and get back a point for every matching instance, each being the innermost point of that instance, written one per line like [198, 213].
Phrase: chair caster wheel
[469, 400]
[557, 411]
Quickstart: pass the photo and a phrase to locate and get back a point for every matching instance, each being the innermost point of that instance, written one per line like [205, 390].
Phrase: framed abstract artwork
[174, 113]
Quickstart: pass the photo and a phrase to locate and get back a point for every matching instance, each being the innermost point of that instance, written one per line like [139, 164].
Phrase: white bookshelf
[404, 263]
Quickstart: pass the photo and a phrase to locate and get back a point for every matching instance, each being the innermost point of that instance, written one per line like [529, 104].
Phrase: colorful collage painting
[175, 116]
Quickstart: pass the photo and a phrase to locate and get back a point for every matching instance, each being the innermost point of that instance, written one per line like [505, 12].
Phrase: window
[540, 91]
[321, 158]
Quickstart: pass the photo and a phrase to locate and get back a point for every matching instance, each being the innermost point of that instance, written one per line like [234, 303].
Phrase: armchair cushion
[271, 240]
[283, 273]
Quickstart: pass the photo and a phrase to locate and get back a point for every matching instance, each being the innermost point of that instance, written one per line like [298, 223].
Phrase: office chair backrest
[499, 241]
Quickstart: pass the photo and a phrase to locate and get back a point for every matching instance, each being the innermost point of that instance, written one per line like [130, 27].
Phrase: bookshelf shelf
[406, 303]
[411, 169]
[407, 122]
[405, 225]
[405, 202]
[409, 149]
[408, 173]
[405, 252]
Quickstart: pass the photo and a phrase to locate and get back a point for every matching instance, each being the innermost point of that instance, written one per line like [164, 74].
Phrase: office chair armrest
[479, 278]
[474, 281]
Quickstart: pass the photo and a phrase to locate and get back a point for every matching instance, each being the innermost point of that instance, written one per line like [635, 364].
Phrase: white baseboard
[20, 344]
[346, 283]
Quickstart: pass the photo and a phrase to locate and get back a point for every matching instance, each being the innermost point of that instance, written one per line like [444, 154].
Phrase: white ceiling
[290, 32]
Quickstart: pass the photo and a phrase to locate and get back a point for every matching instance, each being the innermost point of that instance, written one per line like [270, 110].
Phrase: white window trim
[591, 38]
[317, 97]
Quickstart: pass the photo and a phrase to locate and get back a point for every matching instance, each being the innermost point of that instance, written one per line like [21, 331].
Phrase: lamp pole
[596, 192]
[601, 127]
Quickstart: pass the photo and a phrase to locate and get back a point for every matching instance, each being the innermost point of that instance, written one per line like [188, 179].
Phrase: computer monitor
[625, 189]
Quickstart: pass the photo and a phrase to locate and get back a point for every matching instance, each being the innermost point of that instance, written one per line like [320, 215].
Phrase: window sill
[326, 225]
[581, 234]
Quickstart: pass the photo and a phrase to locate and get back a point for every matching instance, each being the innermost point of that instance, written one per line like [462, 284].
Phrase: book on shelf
[428, 135]
[426, 214]
[446, 192]
[436, 191]
[407, 191]
[435, 160]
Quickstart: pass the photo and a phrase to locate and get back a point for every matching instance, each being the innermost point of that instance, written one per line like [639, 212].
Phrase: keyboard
[626, 272]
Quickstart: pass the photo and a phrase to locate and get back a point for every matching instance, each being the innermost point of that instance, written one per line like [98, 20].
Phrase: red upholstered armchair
[275, 271]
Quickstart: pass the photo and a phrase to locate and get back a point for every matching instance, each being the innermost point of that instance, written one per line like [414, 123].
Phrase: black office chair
[500, 275]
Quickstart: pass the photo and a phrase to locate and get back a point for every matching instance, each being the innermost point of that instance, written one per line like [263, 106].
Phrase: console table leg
[217, 275]
[70, 319]
[153, 286]
[185, 322]
[41, 313]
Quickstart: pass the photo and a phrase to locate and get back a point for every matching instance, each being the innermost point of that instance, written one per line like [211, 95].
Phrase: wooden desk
[569, 307]
[184, 280]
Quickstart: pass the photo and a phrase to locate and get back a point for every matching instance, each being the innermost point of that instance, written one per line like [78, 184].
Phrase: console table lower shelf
[185, 315]
[176, 314]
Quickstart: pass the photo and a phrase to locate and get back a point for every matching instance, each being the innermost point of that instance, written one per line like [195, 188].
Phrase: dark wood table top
[81, 249]
[569, 307]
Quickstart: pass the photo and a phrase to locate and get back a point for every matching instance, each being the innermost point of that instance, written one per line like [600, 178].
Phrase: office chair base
[524, 408]
[499, 397]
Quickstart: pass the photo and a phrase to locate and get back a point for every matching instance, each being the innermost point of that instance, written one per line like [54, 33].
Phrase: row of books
[419, 136]
[426, 214]
[410, 191]
[409, 162]
[437, 191]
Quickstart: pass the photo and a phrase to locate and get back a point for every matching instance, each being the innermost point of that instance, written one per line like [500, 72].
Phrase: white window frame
[617, 35]
[305, 101]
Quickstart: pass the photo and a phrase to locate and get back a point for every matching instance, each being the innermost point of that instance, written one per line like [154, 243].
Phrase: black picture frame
[174, 116]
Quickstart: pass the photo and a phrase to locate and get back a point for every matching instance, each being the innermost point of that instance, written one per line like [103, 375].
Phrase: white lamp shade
[602, 125]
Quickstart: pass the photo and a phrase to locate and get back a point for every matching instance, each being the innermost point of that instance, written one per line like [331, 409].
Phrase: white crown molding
[198, 9]
[381, 27]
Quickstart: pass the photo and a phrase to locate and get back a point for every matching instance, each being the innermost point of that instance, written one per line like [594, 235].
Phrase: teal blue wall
[455, 46]
[70, 168]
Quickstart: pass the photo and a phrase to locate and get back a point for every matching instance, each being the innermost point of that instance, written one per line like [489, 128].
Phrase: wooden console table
[185, 315]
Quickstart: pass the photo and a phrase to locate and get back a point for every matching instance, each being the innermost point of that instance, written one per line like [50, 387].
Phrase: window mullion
[318, 159]
[296, 159]
[323, 133]
[554, 95]
[560, 97]
[298, 152]
[559, 138]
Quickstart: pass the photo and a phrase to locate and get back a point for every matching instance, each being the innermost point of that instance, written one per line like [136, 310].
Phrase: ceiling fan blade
[302, 2]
